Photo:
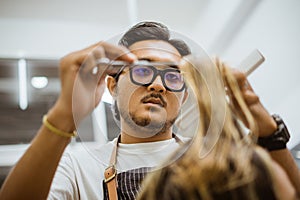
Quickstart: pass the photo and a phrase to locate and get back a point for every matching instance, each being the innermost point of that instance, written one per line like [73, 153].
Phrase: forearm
[32, 176]
[81, 91]
[285, 159]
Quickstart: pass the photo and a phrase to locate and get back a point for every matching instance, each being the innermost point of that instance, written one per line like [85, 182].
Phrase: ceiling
[42, 32]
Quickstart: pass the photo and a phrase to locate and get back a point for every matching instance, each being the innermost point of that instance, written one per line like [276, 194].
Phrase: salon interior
[35, 34]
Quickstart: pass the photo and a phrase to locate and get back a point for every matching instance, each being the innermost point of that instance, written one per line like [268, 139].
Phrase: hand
[81, 90]
[264, 121]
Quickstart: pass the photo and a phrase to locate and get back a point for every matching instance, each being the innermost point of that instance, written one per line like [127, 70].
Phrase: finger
[250, 97]
[242, 80]
[112, 52]
[118, 52]
[99, 70]
[86, 71]
[103, 50]
[239, 76]
[91, 59]
[96, 68]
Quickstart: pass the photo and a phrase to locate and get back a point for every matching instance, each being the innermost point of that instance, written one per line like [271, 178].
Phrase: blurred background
[35, 34]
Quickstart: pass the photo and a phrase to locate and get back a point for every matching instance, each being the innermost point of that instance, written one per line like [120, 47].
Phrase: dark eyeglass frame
[155, 71]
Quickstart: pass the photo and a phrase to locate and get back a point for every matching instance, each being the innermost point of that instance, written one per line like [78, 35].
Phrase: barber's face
[153, 107]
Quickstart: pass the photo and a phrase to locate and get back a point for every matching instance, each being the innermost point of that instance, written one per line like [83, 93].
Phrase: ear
[186, 94]
[111, 86]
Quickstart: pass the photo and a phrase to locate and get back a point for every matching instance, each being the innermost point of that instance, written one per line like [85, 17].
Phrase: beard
[142, 126]
[145, 125]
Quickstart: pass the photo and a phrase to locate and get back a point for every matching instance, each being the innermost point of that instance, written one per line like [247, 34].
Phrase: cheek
[127, 95]
[175, 103]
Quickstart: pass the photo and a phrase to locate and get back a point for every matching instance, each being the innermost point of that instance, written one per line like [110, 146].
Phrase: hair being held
[221, 162]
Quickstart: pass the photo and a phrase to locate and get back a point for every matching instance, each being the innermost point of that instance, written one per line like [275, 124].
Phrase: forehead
[155, 50]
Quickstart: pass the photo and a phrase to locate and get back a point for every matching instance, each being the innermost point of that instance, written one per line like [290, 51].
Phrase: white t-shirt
[81, 172]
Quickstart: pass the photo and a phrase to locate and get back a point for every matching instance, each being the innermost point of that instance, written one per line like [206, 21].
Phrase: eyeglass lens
[145, 75]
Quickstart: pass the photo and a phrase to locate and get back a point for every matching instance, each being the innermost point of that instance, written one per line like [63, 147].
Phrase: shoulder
[87, 153]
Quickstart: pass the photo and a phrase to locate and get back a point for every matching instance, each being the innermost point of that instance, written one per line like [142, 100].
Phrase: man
[147, 107]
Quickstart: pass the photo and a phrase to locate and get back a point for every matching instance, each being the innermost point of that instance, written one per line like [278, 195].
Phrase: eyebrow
[139, 61]
[152, 62]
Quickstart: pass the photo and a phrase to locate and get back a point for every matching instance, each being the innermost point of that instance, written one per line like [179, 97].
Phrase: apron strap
[110, 172]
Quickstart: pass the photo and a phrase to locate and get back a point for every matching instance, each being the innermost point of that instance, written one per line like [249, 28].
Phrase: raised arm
[31, 177]
[268, 127]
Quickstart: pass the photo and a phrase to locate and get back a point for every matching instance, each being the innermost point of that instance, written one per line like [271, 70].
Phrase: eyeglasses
[144, 75]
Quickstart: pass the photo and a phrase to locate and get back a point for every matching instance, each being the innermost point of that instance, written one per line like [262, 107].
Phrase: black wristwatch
[278, 139]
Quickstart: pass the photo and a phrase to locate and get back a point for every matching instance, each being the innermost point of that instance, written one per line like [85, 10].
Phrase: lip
[155, 101]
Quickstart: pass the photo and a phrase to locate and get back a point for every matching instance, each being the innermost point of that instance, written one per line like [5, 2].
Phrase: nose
[157, 85]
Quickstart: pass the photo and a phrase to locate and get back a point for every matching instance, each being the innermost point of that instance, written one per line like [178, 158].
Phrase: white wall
[275, 30]
[51, 29]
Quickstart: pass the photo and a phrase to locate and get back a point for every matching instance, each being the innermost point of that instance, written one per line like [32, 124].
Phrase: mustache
[155, 95]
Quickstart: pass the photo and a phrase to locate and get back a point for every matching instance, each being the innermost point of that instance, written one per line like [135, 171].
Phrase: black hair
[152, 31]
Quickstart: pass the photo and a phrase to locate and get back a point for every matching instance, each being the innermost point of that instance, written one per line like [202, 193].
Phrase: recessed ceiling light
[39, 82]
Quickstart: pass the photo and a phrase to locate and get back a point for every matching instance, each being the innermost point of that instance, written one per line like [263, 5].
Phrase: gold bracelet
[57, 131]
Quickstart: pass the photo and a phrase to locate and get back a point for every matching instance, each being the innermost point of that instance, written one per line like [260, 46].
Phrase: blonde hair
[221, 161]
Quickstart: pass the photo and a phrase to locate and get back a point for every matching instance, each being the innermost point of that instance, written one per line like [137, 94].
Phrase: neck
[127, 138]
[133, 133]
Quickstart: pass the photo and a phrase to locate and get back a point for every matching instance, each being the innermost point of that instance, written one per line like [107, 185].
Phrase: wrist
[273, 127]
[57, 131]
[61, 118]
[278, 139]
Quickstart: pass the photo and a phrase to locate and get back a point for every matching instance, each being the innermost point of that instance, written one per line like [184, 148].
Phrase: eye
[173, 77]
[142, 71]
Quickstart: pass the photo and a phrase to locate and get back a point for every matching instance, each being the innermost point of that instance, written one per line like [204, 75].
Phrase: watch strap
[278, 139]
